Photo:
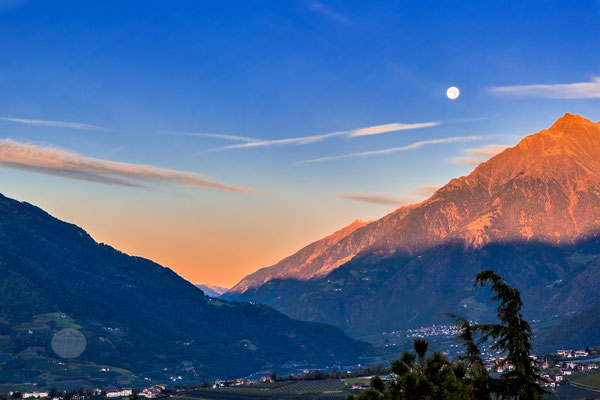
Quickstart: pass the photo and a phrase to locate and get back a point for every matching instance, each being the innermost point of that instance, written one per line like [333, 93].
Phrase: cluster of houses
[362, 385]
[359, 386]
[32, 395]
[572, 353]
[553, 373]
[152, 391]
[149, 392]
[111, 392]
[555, 370]
[238, 382]
[266, 379]
[242, 381]
[557, 373]
[434, 330]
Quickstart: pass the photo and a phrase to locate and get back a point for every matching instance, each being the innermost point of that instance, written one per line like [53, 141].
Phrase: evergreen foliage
[136, 314]
[421, 374]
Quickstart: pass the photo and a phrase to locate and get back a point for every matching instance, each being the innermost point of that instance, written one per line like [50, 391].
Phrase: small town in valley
[578, 368]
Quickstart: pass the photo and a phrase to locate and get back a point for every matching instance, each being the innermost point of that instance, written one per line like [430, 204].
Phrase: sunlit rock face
[532, 213]
[546, 188]
[318, 258]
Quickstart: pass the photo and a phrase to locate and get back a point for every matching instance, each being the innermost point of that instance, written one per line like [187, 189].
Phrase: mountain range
[532, 213]
[212, 290]
[318, 258]
[136, 315]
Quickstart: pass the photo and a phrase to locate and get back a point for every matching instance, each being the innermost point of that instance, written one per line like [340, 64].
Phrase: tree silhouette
[478, 374]
[422, 376]
[511, 336]
[377, 384]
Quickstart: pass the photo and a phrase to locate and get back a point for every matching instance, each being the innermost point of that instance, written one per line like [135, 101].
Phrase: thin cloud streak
[487, 150]
[78, 175]
[54, 161]
[372, 130]
[327, 12]
[378, 129]
[477, 156]
[381, 199]
[217, 136]
[391, 150]
[468, 161]
[425, 190]
[298, 141]
[57, 124]
[578, 90]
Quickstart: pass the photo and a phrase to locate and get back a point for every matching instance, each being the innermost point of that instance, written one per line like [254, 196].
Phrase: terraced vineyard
[301, 390]
[34, 359]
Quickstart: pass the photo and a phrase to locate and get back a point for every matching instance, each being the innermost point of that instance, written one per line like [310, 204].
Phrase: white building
[36, 395]
[119, 393]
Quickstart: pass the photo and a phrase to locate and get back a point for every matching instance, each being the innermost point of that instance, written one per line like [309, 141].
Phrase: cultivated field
[302, 390]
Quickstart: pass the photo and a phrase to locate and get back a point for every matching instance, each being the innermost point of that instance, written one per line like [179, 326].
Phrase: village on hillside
[579, 368]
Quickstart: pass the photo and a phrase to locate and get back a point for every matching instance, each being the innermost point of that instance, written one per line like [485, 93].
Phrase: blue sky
[143, 83]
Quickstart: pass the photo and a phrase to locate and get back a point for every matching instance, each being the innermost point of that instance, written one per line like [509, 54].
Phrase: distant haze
[212, 290]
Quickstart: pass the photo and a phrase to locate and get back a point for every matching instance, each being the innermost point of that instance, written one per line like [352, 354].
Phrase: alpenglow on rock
[532, 212]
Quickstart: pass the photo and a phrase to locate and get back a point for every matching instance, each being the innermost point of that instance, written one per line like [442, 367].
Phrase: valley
[530, 213]
[299, 200]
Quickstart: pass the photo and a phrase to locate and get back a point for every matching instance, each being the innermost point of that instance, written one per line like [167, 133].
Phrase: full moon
[452, 93]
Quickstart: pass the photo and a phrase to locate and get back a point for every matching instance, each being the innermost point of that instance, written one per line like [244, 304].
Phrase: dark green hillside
[578, 331]
[531, 213]
[372, 294]
[137, 314]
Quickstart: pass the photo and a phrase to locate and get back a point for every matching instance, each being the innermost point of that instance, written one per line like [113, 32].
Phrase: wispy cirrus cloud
[328, 12]
[477, 156]
[391, 150]
[379, 129]
[372, 130]
[57, 124]
[55, 161]
[392, 200]
[425, 190]
[233, 138]
[578, 90]
[382, 199]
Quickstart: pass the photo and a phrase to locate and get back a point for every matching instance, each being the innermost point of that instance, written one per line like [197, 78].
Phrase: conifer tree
[419, 376]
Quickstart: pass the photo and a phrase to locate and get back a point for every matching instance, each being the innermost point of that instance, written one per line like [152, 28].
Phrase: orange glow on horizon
[200, 247]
